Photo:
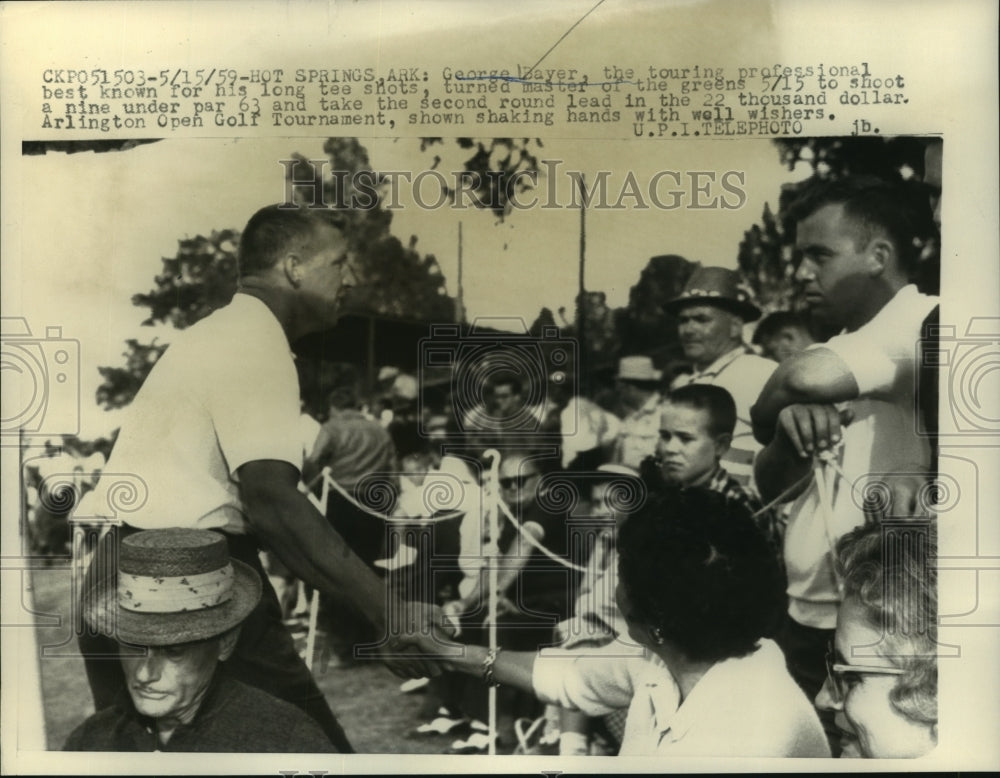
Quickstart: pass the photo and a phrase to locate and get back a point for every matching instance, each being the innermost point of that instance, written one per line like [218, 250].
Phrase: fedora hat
[716, 286]
[174, 586]
[637, 369]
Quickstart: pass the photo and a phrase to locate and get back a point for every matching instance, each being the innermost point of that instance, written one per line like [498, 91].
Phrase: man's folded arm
[816, 375]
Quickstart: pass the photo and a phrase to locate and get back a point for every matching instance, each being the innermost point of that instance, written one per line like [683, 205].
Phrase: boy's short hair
[717, 403]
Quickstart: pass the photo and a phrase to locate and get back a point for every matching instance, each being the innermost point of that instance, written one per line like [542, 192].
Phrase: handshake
[419, 639]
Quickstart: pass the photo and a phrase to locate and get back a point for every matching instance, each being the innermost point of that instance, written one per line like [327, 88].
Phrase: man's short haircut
[895, 585]
[901, 211]
[717, 403]
[274, 229]
[773, 323]
[695, 566]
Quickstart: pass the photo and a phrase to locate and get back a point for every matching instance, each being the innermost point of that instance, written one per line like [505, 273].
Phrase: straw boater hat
[637, 369]
[609, 471]
[174, 586]
[716, 286]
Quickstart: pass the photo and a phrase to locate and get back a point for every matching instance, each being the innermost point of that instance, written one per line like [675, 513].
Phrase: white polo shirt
[224, 393]
[880, 442]
[745, 707]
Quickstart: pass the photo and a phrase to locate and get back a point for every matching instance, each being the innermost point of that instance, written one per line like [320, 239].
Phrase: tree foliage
[496, 170]
[121, 383]
[646, 327]
[641, 327]
[201, 278]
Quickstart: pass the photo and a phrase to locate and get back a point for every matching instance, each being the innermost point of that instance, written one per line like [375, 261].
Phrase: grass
[365, 697]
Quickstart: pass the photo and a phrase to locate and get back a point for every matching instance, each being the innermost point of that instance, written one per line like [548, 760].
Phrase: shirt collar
[263, 310]
[662, 694]
[718, 683]
[717, 480]
[723, 362]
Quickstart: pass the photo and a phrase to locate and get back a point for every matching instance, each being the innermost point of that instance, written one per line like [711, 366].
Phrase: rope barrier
[784, 495]
[329, 483]
[531, 541]
[823, 463]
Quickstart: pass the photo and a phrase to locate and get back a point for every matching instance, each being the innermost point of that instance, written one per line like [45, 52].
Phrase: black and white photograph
[655, 437]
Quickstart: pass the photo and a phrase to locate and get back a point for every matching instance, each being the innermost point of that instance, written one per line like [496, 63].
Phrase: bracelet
[491, 657]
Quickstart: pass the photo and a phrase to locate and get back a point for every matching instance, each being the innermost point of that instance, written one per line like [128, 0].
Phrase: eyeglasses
[839, 674]
[517, 480]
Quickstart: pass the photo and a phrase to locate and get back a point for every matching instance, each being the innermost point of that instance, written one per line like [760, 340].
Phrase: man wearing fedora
[711, 312]
[638, 387]
[176, 613]
[207, 444]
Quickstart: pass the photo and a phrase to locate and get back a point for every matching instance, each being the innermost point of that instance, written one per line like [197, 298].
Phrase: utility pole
[460, 299]
[581, 335]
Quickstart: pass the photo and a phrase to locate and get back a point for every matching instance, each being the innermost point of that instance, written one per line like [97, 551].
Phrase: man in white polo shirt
[860, 240]
[211, 436]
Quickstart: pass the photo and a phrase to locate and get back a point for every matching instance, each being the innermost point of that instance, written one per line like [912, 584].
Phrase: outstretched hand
[421, 637]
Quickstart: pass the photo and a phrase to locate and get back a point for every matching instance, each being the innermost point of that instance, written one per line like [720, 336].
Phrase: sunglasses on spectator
[841, 678]
[517, 480]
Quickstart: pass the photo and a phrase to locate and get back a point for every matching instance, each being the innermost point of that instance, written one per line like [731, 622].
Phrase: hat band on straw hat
[175, 594]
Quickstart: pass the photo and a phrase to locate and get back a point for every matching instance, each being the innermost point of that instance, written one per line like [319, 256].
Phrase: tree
[886, 157]
[600, 344]
[201, 278]
[34, 147]
[644, 326]
[121, 383]
[494, 172]
[544, 321]
[764, 258]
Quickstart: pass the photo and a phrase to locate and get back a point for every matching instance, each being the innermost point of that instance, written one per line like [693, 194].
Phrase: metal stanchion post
[492, 552]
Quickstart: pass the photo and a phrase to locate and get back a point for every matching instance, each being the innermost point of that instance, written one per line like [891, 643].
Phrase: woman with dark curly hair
[699, 590]
[882, 666]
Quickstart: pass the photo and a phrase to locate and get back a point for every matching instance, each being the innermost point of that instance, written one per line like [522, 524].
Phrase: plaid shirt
[770, 522]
